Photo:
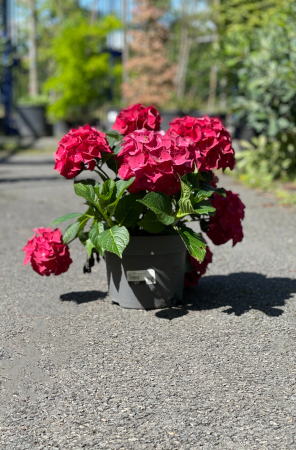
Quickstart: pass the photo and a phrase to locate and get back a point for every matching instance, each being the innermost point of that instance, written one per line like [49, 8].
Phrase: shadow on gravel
[83, 296]
[17, 180]
[240, 292]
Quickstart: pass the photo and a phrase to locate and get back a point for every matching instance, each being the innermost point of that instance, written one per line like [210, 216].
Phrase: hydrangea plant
[148, 182]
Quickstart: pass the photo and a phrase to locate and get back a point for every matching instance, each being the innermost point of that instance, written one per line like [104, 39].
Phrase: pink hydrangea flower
[78, 149]
[226, 223]
[212, 141]
[155, 159]
[46, 252]
[136, 117]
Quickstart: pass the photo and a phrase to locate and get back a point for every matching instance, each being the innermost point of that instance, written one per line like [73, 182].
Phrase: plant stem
[108, 219]
[104, 177]
[103, 172]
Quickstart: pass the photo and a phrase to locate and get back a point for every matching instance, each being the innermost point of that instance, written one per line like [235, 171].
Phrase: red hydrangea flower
[137, 117]
[211, 139]
[155, 159]
[199, 268]
[78, 149]
[46, 252]
[226, 223]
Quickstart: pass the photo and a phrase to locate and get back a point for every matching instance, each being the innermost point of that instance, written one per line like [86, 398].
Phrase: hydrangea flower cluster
[226, 223]
[212, 142]
[137, 117]
[79, 149]
[46, 252]
[155, 159]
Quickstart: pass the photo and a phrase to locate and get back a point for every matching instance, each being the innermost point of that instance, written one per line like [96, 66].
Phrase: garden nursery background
[73, 62]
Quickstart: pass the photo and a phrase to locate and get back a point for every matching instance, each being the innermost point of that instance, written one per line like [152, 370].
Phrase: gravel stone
[78, 372]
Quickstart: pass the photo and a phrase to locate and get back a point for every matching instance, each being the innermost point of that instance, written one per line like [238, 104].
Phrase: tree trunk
[213, 71]
[183, 63]
[33, 76]
[94, 12]
[125, 50]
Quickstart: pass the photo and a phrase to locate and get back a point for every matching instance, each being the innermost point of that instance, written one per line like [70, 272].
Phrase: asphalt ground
[79, 372]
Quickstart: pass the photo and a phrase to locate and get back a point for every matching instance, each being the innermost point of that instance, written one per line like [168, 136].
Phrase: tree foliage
[151, 74]
[82, 72]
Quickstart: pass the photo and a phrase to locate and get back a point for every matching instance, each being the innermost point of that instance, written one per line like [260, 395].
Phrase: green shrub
[83, 77]
[265, 160]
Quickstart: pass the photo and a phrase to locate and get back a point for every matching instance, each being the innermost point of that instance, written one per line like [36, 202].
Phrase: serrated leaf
[161, 205]
[185, 208]
[88, 181]
[113, 137]
[185, 205]
[201, 195]
[96, 229]
[65, 217]
[112, 164]
[105, 189]
[111, 140]
[114, 239]
[89, 246]
[191, 179]
[193, 242]
[151, 223]
[71, 232]
[128, 210]
[106, 156]
[115, 134]
[82, 236]
[205, 210]
[86, 191]
[208, 188]
[104, 192]
[120, 187]
[117, 148]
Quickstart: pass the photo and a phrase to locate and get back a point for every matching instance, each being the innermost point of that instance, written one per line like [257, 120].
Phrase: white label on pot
[141, 276]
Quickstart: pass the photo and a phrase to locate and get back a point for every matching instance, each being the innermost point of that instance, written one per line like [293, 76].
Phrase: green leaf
[112, 164]
[82, 236]
[191, 179]
[106, 156]
[117, 148]
[105, 189]
[96, 229]
[205, 191]
[185, 205]
[89, 246]
[114, 133]
[151, 223]
[193, 242]
[104, 192]
[65, 217]
[128, 209]
[205, 210]
[114, 240]
[71, 232]
[185, 208]
[113, 137]
[120, 187]
[85, 191]
[161, 205]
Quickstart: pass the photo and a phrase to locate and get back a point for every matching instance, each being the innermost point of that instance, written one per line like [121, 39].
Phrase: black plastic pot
[31, 121]
[150, 274]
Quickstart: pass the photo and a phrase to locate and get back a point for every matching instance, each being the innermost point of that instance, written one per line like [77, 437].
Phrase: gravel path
[78, 372]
